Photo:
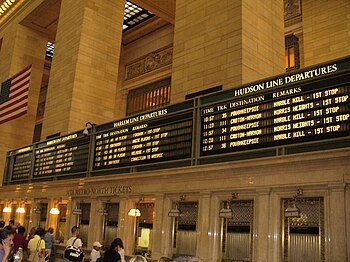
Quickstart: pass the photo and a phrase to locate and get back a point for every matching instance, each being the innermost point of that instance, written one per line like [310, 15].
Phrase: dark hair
[40, 232]
[2, 224]
[12, 222]
[118, 242]
[50, 229]
[21, 230]
[8, 227]
[74, 229]
[5, 233]
[113, 245]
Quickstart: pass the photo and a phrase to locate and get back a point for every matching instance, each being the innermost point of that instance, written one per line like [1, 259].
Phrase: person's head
[6, 236]
[2, 224]
[118, 242]
[32, 231]
[50, 230]
[164, 259]
[114, 246]
[21, 230]
[40, 232]
[97, 245]
[75, 231]
[138, 258]
[12, 222]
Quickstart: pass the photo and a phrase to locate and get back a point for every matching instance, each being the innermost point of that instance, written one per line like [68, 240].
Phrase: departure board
[292, 115]
[167, 137]
[64, 155]
[22, 163]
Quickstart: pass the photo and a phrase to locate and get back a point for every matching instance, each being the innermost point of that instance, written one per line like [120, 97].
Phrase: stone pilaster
[225, 43]
[84, 70]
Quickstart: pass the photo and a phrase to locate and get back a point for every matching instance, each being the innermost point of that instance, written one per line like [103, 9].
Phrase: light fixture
[174, 212]
[134, 212]
[54, 211]
[86, 131]
[7, 209]
[20, 210]
[77, 211]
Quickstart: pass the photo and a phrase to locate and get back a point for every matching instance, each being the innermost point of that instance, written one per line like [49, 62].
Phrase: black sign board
[154, 137]
[284, 116]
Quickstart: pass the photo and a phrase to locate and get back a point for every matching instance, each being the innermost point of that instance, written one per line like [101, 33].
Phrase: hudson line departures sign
[303, 106]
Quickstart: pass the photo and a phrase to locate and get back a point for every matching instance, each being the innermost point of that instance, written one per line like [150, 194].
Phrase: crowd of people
[37, 246]
[17, 246]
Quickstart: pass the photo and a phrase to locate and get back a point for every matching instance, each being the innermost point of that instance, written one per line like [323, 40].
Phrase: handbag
[73, 253]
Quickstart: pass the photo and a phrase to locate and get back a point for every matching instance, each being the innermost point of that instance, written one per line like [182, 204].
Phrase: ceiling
[44, 18]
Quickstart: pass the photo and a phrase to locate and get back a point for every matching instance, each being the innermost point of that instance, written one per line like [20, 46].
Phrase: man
[36, 246]
[75, 234]
[74, 240]
[6, 241]
[19, 240]
[95, 252]
[49, 241]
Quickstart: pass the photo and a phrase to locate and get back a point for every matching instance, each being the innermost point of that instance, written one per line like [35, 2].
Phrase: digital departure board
[22, 164]
[140, 139]
[292, 115]
[67, 154]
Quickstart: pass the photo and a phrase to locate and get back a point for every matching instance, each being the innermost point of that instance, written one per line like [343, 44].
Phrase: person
[164, 259]
[49, 239]
[31, 233]
[75, 238]
[12, 223]
[6, 241]
[112, 255]
[2, 224]
[36, 246]
[95, 252]
[138, 258]
[120, 248]
[19, 240]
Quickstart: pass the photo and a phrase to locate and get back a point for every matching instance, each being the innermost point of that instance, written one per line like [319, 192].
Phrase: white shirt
[77, 242]
[94, 255]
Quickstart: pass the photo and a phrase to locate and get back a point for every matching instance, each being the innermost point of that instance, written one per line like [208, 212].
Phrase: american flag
[14, 96]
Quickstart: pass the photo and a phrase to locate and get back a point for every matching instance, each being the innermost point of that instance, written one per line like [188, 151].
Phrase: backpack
[73, 253]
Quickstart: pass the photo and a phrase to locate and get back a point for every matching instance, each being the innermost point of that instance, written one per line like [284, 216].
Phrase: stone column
[167, 229]
[52, 219]
[325, 41]
[337, 222]
[262, 224]
[225, 43]
[21, 47]
[84, 69]
[96, 220]
[126, 225]
[157, 240]
[214, 230]
[34, 215]
[202, 249]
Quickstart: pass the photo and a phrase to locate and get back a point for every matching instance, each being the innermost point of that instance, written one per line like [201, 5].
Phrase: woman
[6, 241]
[112, 255]
[36, 246]
[120, 248]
